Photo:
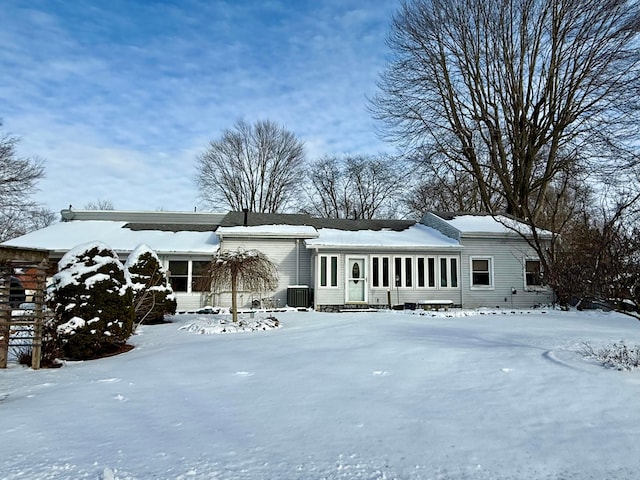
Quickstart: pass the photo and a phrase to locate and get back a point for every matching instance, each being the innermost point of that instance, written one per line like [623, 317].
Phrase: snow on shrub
[617, 356]
[153, 297]
[92, 302]
[207, 326]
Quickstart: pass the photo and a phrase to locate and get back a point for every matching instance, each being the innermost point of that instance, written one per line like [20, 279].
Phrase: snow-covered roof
[482, 224]
[290, 231]
[61, 237]
[416, 236]
[479, 225]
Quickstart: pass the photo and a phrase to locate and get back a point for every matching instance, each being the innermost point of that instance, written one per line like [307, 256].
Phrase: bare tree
[599, 257]
[446, 188]
[100, 204]
[19, 177]
[356, 187]
[519, 92]
[241, 269]
[257, 167]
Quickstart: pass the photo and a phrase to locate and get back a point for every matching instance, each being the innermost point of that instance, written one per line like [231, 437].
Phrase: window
[533, 274]
[481, 272]
[179, 275]
[198, 276]
[426, 272]
[188, 276]
[444, 275]
[328, 271]
[380, 272]
[453, 263]
[408, 275]
[448, 272]
[403, 271]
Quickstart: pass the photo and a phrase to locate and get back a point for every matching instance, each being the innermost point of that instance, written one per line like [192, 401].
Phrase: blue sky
[120, 96]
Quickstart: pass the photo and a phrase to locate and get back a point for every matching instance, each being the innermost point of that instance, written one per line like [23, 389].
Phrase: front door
[356, 279]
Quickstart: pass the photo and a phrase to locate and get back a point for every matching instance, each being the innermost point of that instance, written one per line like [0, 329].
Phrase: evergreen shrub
[92, 302]
[153, 296]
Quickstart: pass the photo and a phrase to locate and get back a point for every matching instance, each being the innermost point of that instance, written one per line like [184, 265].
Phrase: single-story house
[466, 260]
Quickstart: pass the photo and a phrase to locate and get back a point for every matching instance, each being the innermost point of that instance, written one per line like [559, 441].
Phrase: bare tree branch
[100, 204]
[356, 187]
[19, 177]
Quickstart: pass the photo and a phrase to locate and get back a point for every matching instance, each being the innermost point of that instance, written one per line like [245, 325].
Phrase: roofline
[381, 248]
[265, 235]
[508, 234]
[61, 252]
[142, 216]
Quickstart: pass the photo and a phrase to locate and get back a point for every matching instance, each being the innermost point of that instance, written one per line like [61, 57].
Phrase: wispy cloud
[119, 97]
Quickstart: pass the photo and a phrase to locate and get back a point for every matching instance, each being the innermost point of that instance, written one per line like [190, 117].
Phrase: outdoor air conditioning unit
[298, 296]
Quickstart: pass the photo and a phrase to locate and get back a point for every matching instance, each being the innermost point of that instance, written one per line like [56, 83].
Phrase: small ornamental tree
[153, 297]
[92, 302]
[245, 269]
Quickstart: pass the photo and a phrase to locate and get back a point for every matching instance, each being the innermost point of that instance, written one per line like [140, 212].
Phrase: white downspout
[297, 261]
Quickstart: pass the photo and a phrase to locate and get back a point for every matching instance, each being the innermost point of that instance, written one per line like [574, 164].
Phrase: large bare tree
[356, 187]
[516, 93]
[19, 177]
[257, 167]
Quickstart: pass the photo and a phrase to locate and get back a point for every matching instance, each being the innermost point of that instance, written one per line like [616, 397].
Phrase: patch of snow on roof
[64, 236]
[417, 235]
[488, 224]
[303, 231]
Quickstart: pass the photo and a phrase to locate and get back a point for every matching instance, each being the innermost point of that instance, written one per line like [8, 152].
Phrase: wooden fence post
[39, 313]
[5, 313]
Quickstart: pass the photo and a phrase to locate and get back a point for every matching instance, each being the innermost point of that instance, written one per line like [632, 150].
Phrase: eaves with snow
[122, 237]
[414, 237]
[268, 231]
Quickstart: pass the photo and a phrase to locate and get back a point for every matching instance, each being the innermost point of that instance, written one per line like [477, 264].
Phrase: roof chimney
[246, 216]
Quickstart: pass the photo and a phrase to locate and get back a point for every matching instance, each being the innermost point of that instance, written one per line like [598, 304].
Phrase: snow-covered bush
[92, 302]
[617, 356]
[208, 326]
[153, 297]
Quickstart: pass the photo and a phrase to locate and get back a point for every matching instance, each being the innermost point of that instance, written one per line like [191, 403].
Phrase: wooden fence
[23, 276]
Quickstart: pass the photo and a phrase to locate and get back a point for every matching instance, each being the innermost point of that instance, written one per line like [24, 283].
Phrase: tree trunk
[234, 294]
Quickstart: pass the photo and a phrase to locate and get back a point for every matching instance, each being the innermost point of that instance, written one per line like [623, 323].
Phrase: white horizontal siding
[508, 274]
[292, 259]
[190, 301]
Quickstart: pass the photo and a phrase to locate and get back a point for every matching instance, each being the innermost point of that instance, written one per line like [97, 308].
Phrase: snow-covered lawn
[356, 396]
